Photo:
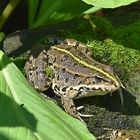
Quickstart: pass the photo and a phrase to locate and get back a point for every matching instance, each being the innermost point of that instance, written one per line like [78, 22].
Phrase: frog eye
[97, 79]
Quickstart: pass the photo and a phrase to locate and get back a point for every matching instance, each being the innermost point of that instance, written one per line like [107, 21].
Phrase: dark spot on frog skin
[48, 80]
[58, 78]
[47, 55]
[49, 63]
[80, 82]
[54, 60]
[44, 59]
[46, 87]
[64, 69]
[66, 80]
[56, 88]
[64, 58]
[55, 67]
[34, 68]
[87, 50]
[30, 69]
[76, 76]
[30, 61]
[75, 64]
[30, 73]
[71, 88]
[72, 106]
[32, 82]
[64, 89]
[82, 55]
[93, 89]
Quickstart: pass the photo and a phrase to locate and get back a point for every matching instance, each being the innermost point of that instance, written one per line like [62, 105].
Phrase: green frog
[71, 72]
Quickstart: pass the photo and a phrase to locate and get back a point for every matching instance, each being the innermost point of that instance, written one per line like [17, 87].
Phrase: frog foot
[83, 115]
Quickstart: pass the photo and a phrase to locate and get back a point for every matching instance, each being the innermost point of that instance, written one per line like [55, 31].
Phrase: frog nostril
[109, 69]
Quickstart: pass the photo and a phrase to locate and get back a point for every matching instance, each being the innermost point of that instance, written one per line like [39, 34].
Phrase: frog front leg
[69, 106]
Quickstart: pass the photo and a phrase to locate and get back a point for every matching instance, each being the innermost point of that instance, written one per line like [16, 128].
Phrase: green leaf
[109, 3]
[50, 12]
[2, 35]
[25, 114]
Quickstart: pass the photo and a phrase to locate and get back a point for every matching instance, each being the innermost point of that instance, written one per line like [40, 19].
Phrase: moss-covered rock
[125, 61]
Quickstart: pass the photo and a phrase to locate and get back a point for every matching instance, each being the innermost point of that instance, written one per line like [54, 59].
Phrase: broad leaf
[50, 12]
[109, 3]
[27, 115]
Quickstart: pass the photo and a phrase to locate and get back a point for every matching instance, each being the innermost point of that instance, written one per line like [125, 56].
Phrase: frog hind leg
[35, 68]
[69, 106]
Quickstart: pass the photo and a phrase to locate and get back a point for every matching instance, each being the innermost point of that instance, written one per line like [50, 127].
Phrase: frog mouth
[106, 89]
[101, 89]
[97, 87]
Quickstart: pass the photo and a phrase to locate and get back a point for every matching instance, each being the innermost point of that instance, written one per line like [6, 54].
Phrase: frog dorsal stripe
[87, 65]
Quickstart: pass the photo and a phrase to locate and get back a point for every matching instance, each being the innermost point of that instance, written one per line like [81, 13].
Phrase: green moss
[124, 60]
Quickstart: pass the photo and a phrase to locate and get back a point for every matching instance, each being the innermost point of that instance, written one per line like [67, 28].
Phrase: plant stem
[7, 12]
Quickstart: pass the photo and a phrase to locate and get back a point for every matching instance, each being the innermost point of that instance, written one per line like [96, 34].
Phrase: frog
[120, 134]
[69, 69]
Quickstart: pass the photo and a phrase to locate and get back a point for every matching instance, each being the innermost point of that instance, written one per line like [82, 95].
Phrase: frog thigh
[35, 68]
